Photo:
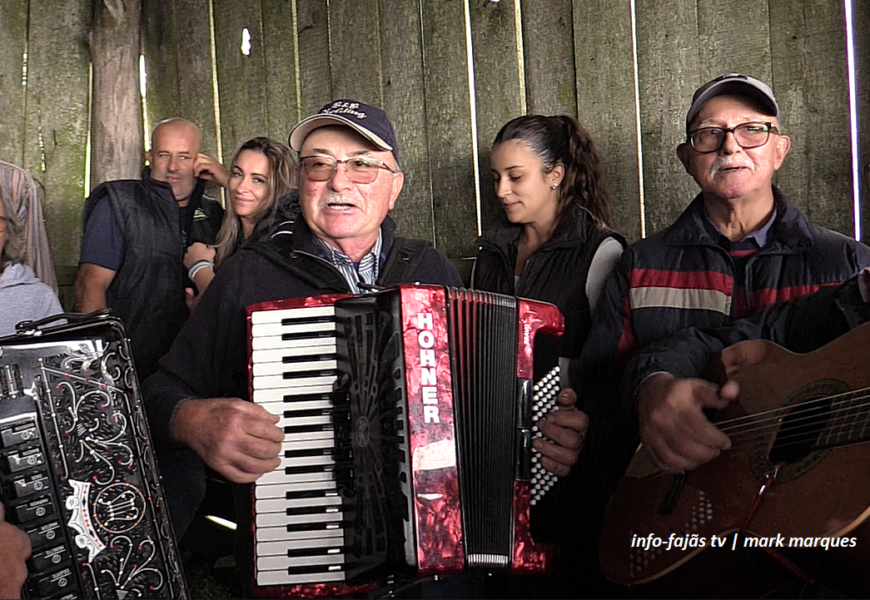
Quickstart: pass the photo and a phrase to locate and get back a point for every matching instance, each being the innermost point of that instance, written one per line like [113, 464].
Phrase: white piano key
[281, 548]
[277, 490]
[290, 346]
[284, 578]
[303, 312]
[324, 444]
[299, 329]
[274, 348]
[310, 420]
[279, 476]
[300, 436]
[287, 385]
[277, 368]
[273, 563]
[282, 504]
[272, 519]
[277, 534]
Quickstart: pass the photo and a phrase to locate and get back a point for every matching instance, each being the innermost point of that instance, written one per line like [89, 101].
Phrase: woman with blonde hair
[261, 181]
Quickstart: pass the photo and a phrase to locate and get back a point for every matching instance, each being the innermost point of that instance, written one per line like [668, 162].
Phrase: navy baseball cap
[733, 83]
[369, 121]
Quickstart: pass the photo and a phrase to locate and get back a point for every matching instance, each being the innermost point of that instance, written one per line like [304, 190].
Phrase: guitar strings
[798, 427]
[801, 426]
[751, 418]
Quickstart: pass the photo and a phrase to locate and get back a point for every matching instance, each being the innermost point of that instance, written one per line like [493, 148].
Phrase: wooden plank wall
[549, 56]
[450, 73]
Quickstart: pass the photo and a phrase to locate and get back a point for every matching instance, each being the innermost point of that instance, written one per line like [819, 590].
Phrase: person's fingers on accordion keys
[14, 550]
[238, 439]
[566, 428]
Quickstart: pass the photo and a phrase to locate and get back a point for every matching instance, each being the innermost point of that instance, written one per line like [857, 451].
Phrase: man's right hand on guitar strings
[673, 428]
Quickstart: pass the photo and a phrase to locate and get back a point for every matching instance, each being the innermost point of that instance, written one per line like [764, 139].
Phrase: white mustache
[336, 198]
[723, 162]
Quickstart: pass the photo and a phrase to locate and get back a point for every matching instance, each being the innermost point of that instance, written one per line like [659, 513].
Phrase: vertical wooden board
[861, 24]
[116, 147]
[405, 103]
[668, 75]
[13, 41]
[498, 88]
[606, 104]
[811, 86]
[240, 76]
[57, 117]
[159, 46]
[279, 41]
[196, 81]
[734, 45]
[315, 81]
[448, 111]
[355, 50]
[548, 57]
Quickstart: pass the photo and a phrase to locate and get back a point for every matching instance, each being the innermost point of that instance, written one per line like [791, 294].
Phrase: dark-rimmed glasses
[359, 169]
[748, 135]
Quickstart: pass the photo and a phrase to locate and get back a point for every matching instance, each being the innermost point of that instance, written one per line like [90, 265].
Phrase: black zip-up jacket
[147, 292]
[208, 358]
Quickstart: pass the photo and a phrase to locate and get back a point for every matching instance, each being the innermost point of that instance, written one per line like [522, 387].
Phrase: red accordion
[408, 423]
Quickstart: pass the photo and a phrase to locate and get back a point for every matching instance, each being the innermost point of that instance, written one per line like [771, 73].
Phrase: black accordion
[78, 472]
[408, 417]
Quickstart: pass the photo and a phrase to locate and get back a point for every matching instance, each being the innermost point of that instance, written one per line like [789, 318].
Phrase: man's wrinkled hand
[673, 428]
[238, 439]
[14, 551]
[566, 428]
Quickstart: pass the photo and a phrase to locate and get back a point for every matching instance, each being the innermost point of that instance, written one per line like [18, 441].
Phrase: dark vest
[147, 292]
[555, 273]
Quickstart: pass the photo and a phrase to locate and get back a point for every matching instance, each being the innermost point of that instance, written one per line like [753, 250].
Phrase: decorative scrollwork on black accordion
[78, 471]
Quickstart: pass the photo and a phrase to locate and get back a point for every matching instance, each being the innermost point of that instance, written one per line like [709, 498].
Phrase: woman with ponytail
[556, 247]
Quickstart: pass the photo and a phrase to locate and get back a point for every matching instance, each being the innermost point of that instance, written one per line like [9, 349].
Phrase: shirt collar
[367, 269]
[759, 236]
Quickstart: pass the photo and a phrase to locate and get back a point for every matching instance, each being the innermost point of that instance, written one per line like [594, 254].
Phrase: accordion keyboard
[299, 525]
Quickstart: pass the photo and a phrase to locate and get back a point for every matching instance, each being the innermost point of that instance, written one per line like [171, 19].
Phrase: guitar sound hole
[800, 430]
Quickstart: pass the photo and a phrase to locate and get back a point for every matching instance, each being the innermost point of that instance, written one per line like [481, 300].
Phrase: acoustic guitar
[799, 428]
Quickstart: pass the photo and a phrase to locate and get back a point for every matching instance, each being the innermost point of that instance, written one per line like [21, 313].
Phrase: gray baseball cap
[733, 83]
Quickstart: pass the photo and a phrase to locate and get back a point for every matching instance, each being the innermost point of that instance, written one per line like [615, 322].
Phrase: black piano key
[35, 509]
[18, 433]
[46, 559]
[21, 460]
[43, 535]
[55, 582]
[30, 484]
[307, 358]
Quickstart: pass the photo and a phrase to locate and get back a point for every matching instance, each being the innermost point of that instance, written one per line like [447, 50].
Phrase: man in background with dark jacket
[135, 233]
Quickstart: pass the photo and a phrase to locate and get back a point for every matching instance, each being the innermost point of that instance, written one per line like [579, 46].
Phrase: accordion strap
[402, 261]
